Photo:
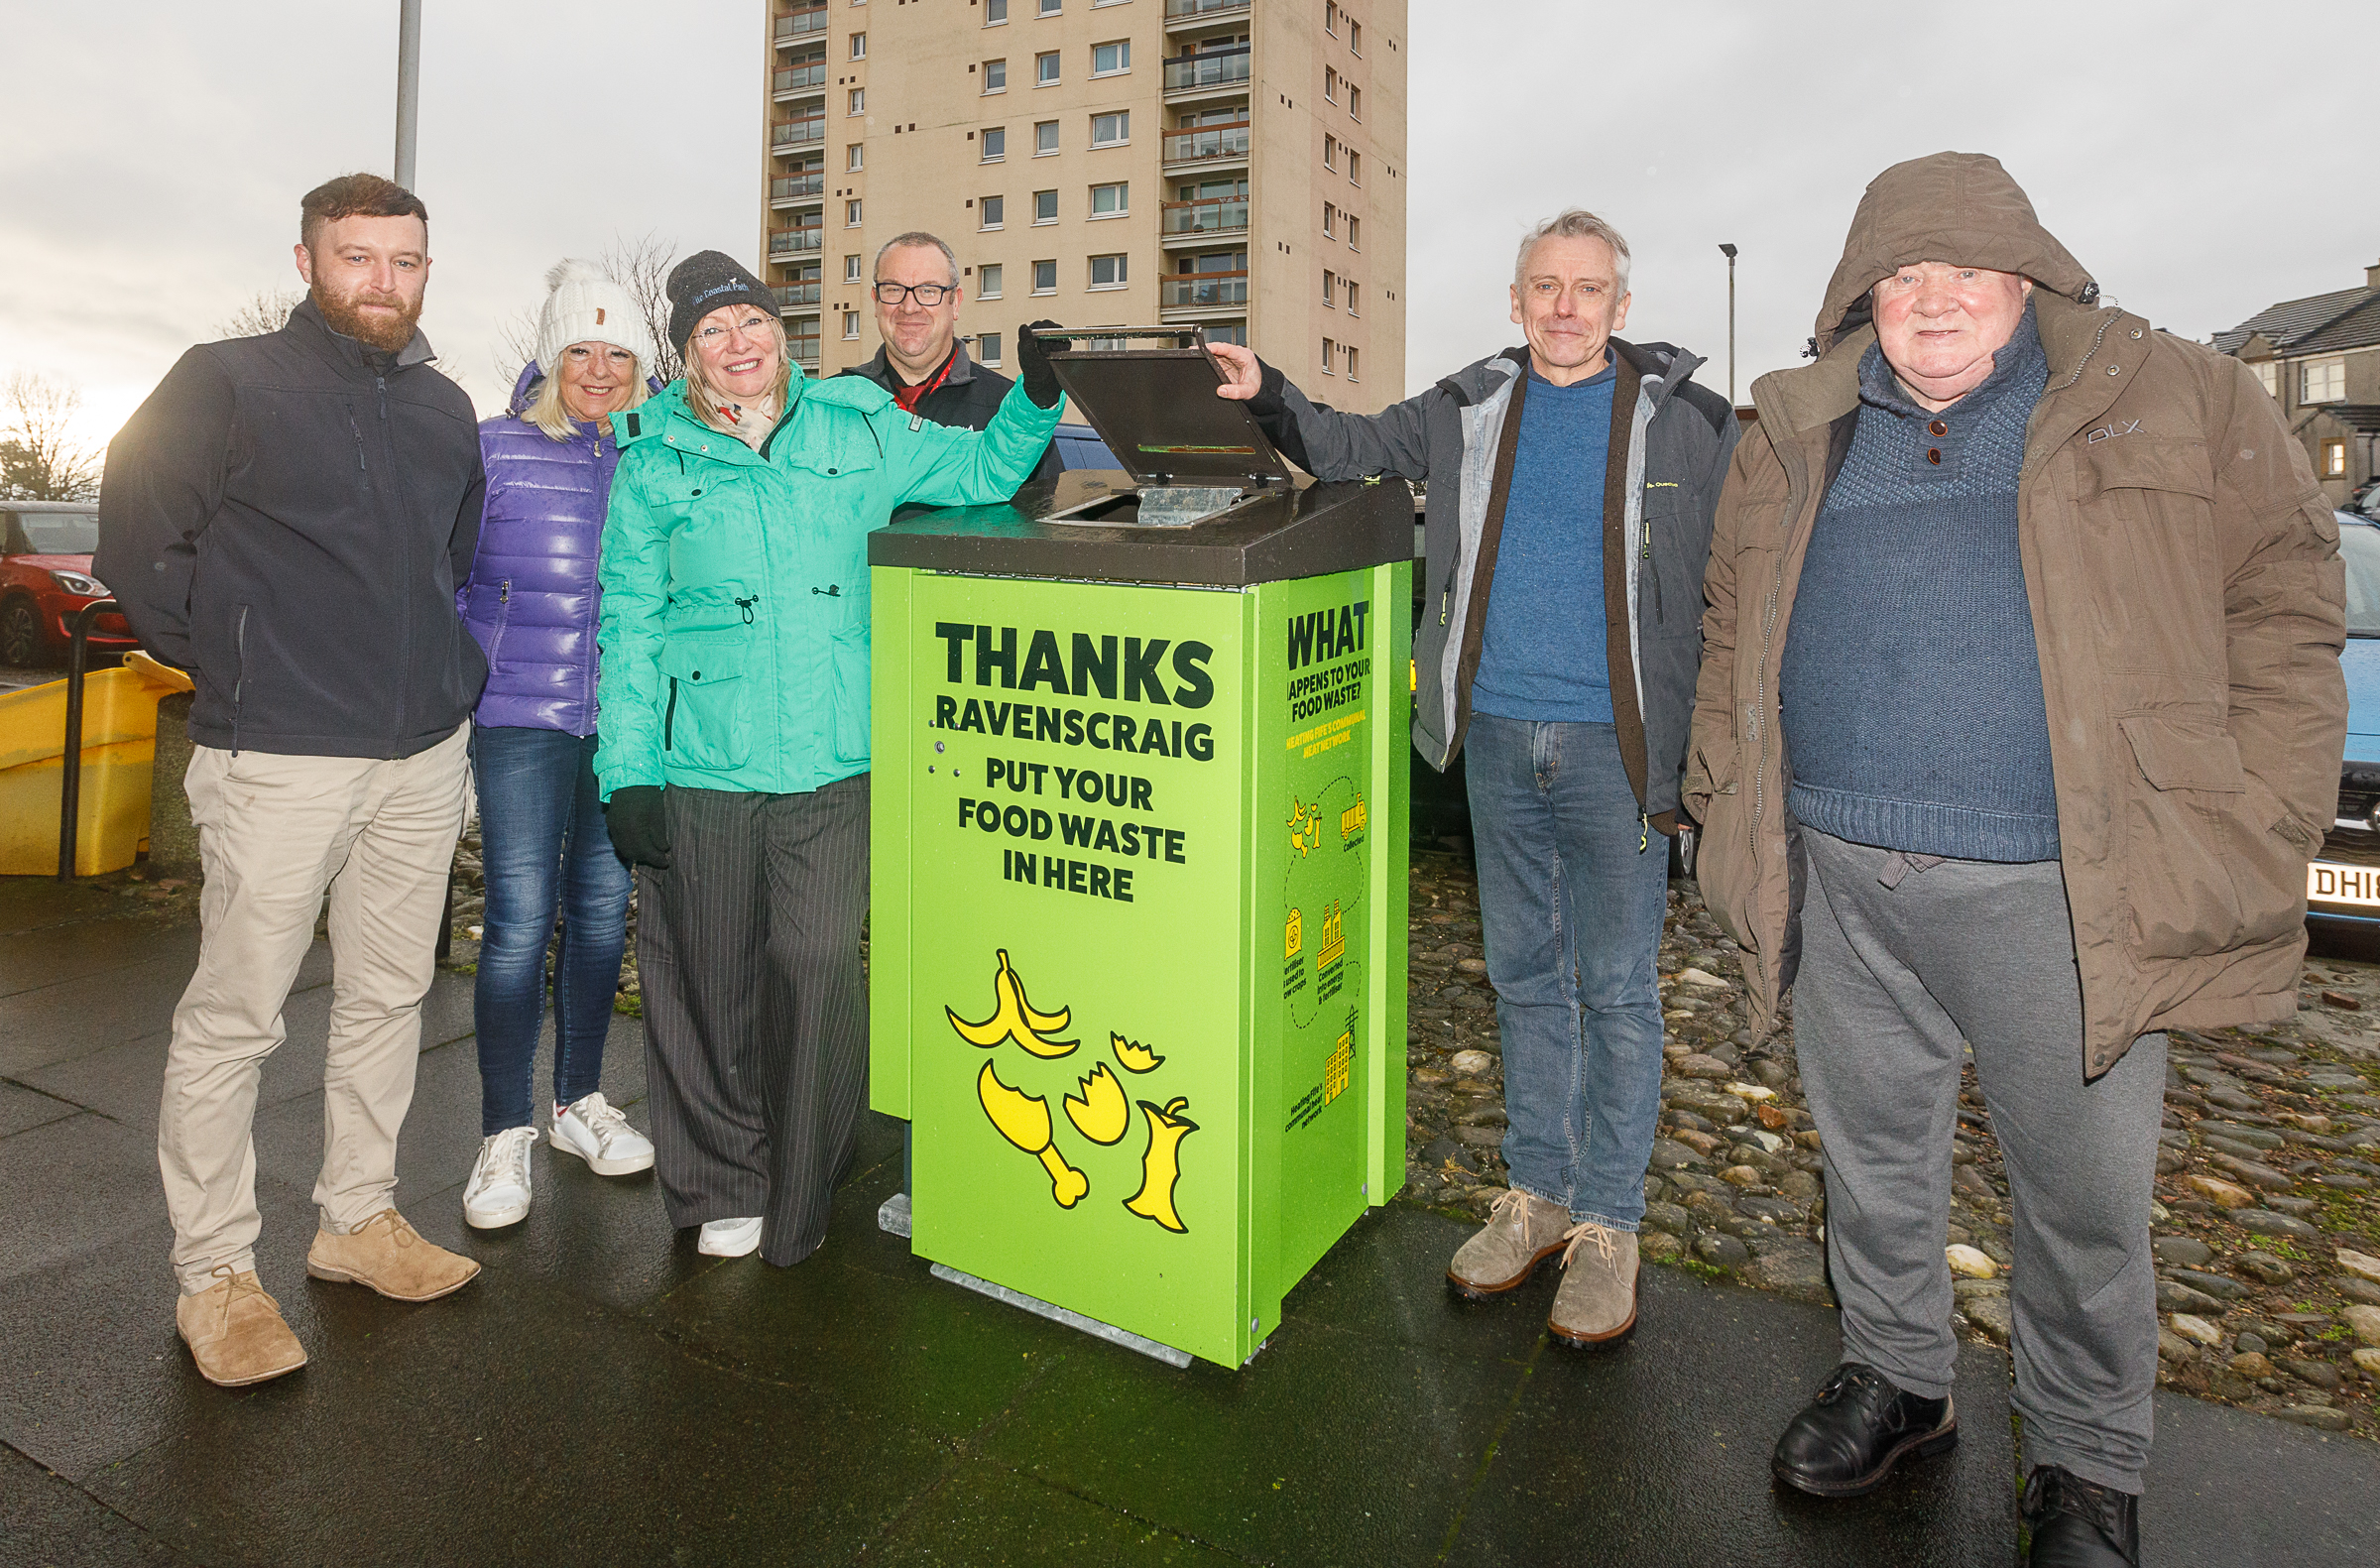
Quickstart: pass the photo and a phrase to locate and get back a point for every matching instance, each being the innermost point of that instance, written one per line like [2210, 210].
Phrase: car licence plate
[2329, 882]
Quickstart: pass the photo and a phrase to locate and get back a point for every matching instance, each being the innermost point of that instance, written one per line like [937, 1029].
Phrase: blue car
[2344, 884]
[1079, 446]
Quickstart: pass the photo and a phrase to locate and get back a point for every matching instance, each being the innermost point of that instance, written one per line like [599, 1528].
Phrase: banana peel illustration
[1134, 1056]
[1017, 1019]
[1100, 1112]
[1161, 1163]
[1024, 1120]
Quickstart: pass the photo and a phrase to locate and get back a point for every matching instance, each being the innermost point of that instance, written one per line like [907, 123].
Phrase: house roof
[2361, 418]
[2314, 324]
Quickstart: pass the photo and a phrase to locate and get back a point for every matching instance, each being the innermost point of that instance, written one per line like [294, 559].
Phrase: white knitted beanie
[585, 306]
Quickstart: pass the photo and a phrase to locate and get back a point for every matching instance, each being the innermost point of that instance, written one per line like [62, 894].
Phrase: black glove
[1033, 364]
[640, 833]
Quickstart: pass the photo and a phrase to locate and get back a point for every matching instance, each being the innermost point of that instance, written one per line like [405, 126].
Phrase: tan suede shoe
[1596, 1303]
[1521, 1232]
[235, 1332]
[391, 1257]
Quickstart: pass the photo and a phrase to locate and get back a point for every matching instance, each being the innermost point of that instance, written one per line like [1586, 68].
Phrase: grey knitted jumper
[1911, 687]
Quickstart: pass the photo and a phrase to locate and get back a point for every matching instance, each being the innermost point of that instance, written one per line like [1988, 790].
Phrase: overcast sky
[2193, 154]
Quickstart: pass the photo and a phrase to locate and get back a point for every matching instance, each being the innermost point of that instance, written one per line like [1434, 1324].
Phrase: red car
[46, 577]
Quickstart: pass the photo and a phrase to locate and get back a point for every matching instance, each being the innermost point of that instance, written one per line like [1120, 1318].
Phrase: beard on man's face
[387, 329]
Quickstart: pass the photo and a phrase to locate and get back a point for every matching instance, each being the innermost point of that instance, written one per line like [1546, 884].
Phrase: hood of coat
[1666, 363]
[1960, 208]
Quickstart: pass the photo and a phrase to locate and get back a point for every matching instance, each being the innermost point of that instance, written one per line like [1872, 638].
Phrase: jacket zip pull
[1644, 833]
[745, 605]
[669, 714]
[504, 591]
[1445, 602]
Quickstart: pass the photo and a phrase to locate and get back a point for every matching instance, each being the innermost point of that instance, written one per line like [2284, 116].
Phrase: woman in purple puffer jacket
[532, 601]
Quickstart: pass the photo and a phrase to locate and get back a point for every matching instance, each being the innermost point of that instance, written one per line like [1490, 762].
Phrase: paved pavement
[603, 1396]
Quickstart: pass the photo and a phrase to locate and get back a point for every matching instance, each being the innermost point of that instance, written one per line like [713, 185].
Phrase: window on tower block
[1112, 59]
[1045, 206]
[1112, 130]
[1046, 277]
[1045, 69]
[1107, 272]
[995, 76]
[1111, 201]
[991, 211]
[1045, 137]
[986, 281]
[996, 144]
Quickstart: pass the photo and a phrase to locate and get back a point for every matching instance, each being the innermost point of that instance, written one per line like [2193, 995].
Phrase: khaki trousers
[274, 833]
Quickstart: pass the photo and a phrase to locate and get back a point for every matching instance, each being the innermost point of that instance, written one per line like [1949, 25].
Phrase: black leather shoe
[1847, 1439]
[2078, 1523]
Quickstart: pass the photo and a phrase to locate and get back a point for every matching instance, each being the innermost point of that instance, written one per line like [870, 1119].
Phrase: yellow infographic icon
[1024, 1120]
[1334, 935]
[1016, 1019]
[1293, 936]
[1355, 819]
[1305, 827]
[1100, 1112]
[1161, 1163]
[1132, 1055]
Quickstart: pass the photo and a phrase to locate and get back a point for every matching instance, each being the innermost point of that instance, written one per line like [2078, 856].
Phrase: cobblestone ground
[2267, 1225]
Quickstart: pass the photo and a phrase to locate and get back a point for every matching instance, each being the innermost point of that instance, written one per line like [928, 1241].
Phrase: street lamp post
[1729, 251]
[408, 87]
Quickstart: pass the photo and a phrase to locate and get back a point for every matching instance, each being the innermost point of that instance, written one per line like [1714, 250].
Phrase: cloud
[150, 178]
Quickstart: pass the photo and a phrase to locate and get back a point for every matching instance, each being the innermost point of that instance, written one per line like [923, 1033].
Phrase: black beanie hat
[704, 281]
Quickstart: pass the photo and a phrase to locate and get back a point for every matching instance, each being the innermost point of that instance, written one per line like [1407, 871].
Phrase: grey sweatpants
[756, 1014]
[1892, 980]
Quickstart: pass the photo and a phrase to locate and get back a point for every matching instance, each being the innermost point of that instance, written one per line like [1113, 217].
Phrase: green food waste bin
[1140, 864]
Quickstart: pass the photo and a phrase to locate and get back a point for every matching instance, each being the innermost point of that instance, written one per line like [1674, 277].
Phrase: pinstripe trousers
[755, 1013]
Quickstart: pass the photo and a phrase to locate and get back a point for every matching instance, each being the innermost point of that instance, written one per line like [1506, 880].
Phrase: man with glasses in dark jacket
[922, 363]
[286, 518]
[929, 371]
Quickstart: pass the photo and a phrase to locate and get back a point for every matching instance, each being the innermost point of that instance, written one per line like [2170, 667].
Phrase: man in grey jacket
[1578, 471]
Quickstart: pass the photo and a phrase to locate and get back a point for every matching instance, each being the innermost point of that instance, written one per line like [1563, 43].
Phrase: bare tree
[266, 311]
[38, 459]
[640, 266]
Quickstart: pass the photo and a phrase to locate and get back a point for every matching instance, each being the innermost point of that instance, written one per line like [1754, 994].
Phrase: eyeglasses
[928, 294]
[714, 334]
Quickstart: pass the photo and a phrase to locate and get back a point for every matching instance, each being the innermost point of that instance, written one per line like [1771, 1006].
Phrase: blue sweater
[1911, 686]
[1541, 650]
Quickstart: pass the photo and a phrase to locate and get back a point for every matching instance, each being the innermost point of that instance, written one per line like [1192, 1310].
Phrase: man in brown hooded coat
[2019, 719]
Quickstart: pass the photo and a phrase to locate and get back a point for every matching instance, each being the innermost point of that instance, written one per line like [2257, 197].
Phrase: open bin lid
[1157, 409]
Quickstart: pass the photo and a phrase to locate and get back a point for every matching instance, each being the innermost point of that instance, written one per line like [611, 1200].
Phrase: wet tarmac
[603, 1396]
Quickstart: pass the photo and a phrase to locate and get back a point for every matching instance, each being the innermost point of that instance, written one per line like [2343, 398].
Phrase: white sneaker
[498, 1191]
[730, 1238]
[599, 1134]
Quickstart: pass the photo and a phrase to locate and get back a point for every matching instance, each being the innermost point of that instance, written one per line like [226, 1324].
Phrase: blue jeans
[543, 845]
[1572, 888]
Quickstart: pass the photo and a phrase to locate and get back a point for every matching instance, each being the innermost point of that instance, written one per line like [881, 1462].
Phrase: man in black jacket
[286, 518]
[929, 374]
[922, 363]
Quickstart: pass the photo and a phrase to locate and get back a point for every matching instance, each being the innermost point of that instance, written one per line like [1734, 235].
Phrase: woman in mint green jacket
[733, 747]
